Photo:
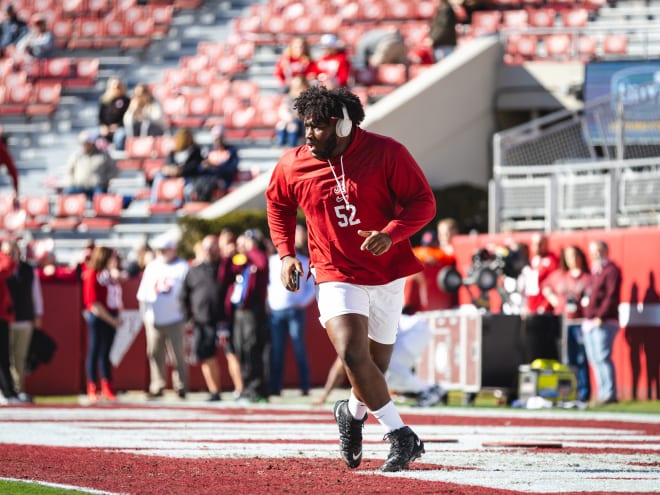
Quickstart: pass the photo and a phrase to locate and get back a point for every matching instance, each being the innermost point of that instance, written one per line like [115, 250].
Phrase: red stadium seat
[37, 209]
[86, 73]
[514, 19]
[56, 68]
[485, 22]
[169, 194]
[69, 210]
[15, 99]
[107, 212]
[557, 45]
[392, 74]
[62, 29]
[15, 220]
[143, 31]
[615, 44]
[542, 18]
[85, 33]
[575, 18]
[586, 47]
[45, 99]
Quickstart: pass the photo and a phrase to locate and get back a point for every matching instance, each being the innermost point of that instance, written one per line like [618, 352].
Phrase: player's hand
[375, 242]
[289, 264]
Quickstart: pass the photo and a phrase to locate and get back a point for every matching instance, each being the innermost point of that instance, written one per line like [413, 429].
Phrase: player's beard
[326, 152]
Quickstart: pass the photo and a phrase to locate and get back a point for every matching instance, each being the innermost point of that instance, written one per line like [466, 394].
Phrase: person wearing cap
[12, 29]
[363, 196]
[40, 41]
[218, 168]
[333, 68]
[164, 321]
[89, 169]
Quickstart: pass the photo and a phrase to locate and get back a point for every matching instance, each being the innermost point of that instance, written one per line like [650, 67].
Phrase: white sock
[389, 417]
[357, 409]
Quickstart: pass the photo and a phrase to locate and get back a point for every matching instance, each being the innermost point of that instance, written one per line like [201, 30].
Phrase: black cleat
[350, 434]
[406, 447]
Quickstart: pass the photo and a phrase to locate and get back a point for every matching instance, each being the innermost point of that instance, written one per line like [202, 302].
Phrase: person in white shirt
[287, 316]
[163, 318]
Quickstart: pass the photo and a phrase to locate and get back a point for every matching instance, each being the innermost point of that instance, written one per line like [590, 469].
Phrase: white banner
[132, 323]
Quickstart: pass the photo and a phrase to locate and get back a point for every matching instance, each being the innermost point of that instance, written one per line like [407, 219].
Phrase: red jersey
[6, 159]
[540, 268]
[98, 287]
[335, 67]
[7, 267]
[288, 67]
[385, 190]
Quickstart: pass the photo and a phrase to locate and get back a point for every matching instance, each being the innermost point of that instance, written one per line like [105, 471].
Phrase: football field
[193, 447]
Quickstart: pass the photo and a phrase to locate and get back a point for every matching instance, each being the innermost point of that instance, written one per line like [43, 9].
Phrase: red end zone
[192, 448]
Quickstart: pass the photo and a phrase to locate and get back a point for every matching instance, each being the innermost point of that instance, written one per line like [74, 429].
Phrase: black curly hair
[323, 104]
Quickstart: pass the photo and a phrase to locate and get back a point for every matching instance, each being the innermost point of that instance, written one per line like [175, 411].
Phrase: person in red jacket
[294, 61]
[363, 196]
[8, 161]
[333, 68]
[542, 264]
[102, 300]
[7, 267]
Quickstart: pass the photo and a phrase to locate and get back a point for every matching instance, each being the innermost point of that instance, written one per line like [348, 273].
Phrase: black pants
[6, 381]
[252, 345]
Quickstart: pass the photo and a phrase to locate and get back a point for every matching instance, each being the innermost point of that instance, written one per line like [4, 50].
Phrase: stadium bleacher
[210, 63]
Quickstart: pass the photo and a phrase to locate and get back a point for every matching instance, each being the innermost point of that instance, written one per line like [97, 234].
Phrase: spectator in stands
[218, 169]
[113, 104]
[248, 298]
[12, 30]
[25, 290]
[201, 301]
[7, 267]
[288, 311]
[289, 127]
[227, 247]
[7, 160]
[601, 323]
[185, 160]
[381, 46]
[294, 61]
[443, 30]
[144, 116]
[159, 295]
[565, 288]
[90, 169]
[542, 264]
[333, 68]
[102, 302]
[39, 43]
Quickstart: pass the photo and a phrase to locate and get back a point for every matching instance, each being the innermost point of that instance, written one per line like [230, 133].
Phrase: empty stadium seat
[107, 208]
[69, 211]
[169, 196]
[45, 99]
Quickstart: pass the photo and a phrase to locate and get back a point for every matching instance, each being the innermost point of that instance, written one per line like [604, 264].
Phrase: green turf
[21, 488]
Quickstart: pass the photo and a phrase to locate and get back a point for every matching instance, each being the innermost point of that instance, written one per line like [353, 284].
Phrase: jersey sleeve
[281, 210]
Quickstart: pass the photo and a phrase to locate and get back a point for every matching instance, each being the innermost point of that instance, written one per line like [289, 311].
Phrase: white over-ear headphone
[344, 125]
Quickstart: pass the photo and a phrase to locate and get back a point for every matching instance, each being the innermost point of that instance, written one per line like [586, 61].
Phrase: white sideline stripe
[66, 487]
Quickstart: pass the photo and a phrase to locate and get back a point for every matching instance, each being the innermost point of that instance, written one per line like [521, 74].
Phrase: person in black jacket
[202, 302]
[25, 290]
[443, 30]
